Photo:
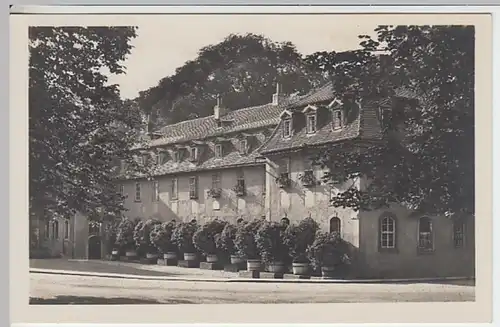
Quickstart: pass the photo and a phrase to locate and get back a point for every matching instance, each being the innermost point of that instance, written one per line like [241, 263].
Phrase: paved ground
[97, 290]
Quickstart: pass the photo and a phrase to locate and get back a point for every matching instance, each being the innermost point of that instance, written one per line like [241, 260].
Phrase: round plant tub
[115, 253]
[254, 265]
[190, 256]
[277, 267]
[236, 260]
[301, 269]
[170, 255]
[328, 272]
[211, 258]
[151, 256]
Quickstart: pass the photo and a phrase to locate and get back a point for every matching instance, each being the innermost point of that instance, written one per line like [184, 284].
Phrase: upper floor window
[55, 229]
[458, 234]
[156, 191]
[311, 123]
[137, 191]
[425, 234]
[287, 128]
[218, 151]
[337, 119]
[243, 146]
[216, 184]
[175, 191]
[156, 158]
[387, 232]
[193, 187]
[335, 225]
[122, 190]
[193, 153]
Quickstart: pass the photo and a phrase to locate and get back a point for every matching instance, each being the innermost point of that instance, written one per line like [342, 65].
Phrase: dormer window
[337, 119]
[311, 123]
[177, 156]
[156, 158]
[243, 146]
[219, 123]
[287, 128]
[218, 151]
[193, 153]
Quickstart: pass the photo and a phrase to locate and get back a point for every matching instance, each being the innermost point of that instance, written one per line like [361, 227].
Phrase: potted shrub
[142, 239]
[327, 252]
[204, 239]
[161, 237]
[111, 234]
[270, 243]
[245, 245]
[182, 237]
[297, 239]
[125, 237]
[225, 244]
[215, 192]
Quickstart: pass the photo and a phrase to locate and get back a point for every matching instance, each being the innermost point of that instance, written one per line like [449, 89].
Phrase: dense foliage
[142, 232]
[77, 125]
[161, 236]
[270, 242]
[244, 240]
[427, 158]
[298, 237]
[327, 250]
[182, 236]
[225, 240]
[125, 234]
[205, 237]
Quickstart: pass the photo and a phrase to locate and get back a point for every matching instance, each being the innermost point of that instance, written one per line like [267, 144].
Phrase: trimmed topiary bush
[161, 237]
[244, 240]
[297, 238]
[182, 236]
[269, 240]
[141, 236]
[125, 234]
[204, 237]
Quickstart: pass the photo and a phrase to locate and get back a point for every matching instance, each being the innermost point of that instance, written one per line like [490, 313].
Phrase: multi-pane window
[137, 191]
[337, 119]
[387, 232]
[240, 179]
[218, 151]
[425, 235]
[335, 225]
[122, 190]
[287, 128]
[175, 190]
[66, 229]
[193, 153]
[47, 230]
[156, 158]
[243, 146]
[458, 234]
[311, 123]
[193, 187]
[177, 156]
[156, 191]
[216, 181]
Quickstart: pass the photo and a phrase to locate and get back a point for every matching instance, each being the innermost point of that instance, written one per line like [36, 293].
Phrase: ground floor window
[458, 234]
[66, 229]
[55, 229]
[387, 232]
[425, 234]
[335, 225]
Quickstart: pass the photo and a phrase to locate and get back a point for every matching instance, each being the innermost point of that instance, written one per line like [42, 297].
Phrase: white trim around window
[156, 191]
[287, 128]
[425, 236]
[174, 195]
[387, 232]
[311, 123]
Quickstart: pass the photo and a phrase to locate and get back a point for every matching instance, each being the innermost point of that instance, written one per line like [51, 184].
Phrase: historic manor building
[255, 162]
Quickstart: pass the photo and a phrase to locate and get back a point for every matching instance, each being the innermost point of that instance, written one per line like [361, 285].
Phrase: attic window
[287, 128]
[193, 153]
[219, 123]
[243, 146]
[311, 123]
[177, 156]
[337, 120]
[218, 151]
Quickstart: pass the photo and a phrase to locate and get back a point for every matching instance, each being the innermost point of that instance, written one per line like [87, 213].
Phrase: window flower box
[239, 189]
[215, 193]
[283, 180]
[307, 178]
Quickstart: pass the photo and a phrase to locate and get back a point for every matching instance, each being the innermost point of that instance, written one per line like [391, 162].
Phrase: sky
[165, 43]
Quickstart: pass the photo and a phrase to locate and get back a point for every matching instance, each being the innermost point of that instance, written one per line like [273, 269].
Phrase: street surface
[99, 290]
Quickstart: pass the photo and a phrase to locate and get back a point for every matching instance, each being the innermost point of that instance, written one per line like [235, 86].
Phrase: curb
[244, 280]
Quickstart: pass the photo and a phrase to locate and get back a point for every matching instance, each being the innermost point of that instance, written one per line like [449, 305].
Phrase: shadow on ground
[100, 300]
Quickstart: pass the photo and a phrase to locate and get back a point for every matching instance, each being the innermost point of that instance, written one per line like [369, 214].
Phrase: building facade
[257, 163]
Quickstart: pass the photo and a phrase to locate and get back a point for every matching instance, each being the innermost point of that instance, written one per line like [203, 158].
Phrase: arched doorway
[94, 247]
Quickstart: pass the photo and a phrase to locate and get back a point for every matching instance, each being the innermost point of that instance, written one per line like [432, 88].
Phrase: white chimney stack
[219, 109]
[277, 97]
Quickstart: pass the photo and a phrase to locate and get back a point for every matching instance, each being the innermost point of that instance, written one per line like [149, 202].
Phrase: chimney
[219, 109]
[278, 97]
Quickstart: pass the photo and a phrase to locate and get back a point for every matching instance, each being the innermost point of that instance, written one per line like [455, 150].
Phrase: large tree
[426, 160]
[78, 125]
[244, 69]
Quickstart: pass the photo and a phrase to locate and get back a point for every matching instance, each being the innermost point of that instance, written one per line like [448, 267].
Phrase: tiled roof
[324, 93]
[235, 121]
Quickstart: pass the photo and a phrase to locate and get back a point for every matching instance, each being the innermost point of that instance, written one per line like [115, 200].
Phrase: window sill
[388, 250]
[421, 251]
[137, 201]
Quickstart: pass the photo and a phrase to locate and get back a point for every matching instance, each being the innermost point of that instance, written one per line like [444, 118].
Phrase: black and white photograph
[252, 159]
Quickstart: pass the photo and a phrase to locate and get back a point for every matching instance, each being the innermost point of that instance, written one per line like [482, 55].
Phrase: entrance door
[95, 247]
